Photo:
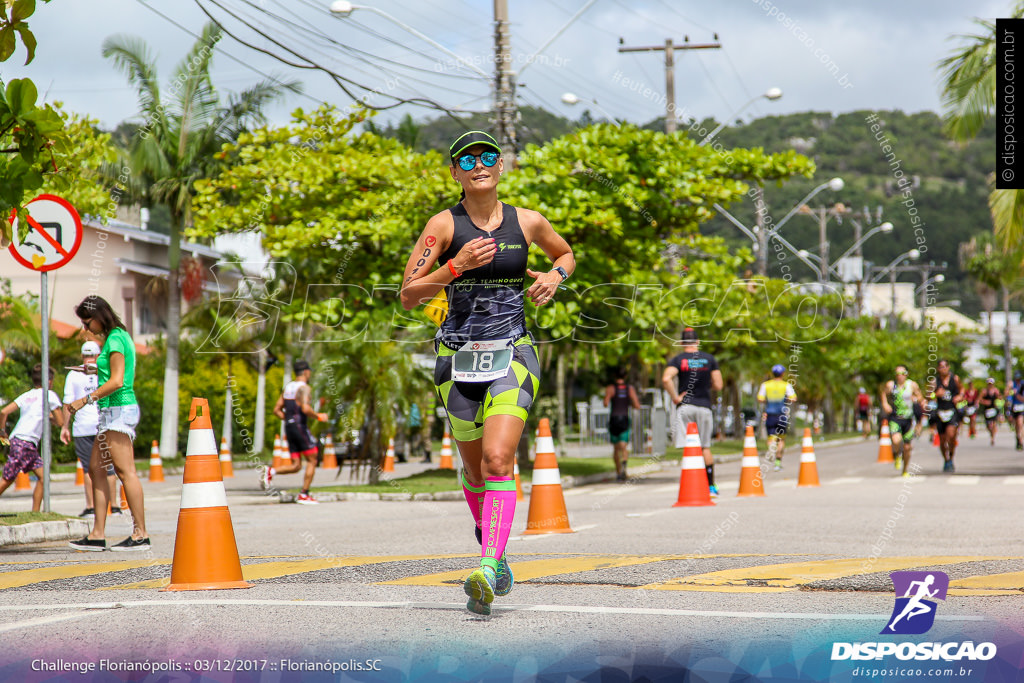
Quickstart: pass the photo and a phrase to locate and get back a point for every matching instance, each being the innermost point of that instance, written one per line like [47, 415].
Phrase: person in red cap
[487, 372]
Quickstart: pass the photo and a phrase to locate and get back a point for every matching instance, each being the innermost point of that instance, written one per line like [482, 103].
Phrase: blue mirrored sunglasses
[467, 162]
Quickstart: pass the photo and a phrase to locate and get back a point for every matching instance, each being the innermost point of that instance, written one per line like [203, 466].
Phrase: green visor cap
[473, 137]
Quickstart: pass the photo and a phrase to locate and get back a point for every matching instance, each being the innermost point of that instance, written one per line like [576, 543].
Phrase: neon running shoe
[266, 477]
[714, 490]
[479, 586]
[898, 462]
[503, 581]
[306, 499]
[778, 464]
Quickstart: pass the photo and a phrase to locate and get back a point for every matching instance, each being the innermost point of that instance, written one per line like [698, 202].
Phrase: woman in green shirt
[118, 417]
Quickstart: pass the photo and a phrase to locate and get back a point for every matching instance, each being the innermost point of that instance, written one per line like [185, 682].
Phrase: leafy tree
[182, 131]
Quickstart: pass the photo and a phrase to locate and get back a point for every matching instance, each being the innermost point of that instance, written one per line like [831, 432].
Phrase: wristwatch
[89, 399]
[561, 271]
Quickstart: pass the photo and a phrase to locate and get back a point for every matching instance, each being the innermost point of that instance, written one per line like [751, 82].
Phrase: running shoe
[266, 477]
[906, 474]
[504, 580]
[115, 512]
[778, 464]
[89, 544]
[1020, 446]
[306, 499]
[713, 489]
[88, 513]
[898, 462]
[947, 466]
[130, 544]
[479, 586]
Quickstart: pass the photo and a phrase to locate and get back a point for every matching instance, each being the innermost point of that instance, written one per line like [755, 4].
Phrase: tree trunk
[169, 422]
[560, 389]
[374, 443]
[259, 439]
[228, 409]
[1007, 346]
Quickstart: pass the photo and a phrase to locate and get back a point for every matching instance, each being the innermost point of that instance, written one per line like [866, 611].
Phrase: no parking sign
[54, 237]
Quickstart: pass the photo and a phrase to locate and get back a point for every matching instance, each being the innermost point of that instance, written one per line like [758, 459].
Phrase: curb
[43, 532]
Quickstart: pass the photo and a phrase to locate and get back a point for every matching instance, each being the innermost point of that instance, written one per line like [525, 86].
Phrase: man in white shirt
[79, 384]
[23, 455]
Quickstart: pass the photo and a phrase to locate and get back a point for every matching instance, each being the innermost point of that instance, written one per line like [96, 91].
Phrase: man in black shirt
[689, 380]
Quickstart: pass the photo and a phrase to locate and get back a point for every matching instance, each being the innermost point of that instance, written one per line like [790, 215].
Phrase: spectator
[23, 455]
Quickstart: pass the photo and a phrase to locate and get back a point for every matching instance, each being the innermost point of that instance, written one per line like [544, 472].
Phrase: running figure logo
[914, 613]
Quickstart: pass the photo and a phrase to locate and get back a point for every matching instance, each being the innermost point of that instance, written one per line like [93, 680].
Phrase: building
[122, 263]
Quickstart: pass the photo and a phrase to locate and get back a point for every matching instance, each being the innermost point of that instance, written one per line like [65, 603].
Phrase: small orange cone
[277, 452]
[808, 464]
[330, 461]
[79, 474]
[22, 482]
[205, 551]
[751, 479]
[446, 453]
[519, 482]
[124, 499]
[547, 504]
[885, 444]
[649, 443]
[156, 465]
[389, 457]
[227, 469]
[935, 439]
[693, 478]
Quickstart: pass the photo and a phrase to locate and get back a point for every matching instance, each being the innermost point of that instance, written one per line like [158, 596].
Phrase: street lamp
[771, 94]
[572, 99]
[886, 227]
[923, 290]
[891, 270]
[817, 259]
[344, 8]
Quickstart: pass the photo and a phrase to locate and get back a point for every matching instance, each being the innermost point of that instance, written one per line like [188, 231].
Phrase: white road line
[665, 489]
[573, 609]
[964, 480]
[44, 621]
[846, 480]
[1014, 480]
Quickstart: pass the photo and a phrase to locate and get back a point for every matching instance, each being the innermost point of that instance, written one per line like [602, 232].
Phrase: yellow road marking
[1008, 583]
[535, 569]
[776, 578]
[271, 570]
[24, 577]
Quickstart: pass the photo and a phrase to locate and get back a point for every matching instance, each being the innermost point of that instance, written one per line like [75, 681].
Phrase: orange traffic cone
[156, 465]
[885, 444]
[22, 482]
[389, 457]
[519, 483]
[935, 439]
[205, 552]
[446, 453]
[808, 465]
[693, 478]
[547, 504]
[649, 443]
[751, 479]
[79, 474]
[227, 469]
[124, 499]
[330, 461]
[277, 452]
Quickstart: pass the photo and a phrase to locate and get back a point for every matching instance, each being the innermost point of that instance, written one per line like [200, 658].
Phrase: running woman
[293, 406]
[898, 399]
[1015, 394]
[988, 404]
[971, 396]
[775, 398]
[486, 372]
[864, 412]
[620, 396]
[946, 416]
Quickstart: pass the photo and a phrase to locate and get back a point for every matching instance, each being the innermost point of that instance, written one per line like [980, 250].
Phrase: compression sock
[475, 498]
[498, 512]
[710, 469]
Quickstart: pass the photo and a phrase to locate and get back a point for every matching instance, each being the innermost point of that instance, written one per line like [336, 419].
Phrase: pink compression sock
[475, 498]
[498, 513]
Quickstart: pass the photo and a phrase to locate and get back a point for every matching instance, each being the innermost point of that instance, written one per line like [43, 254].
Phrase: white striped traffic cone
[156, 465]
[227, 470]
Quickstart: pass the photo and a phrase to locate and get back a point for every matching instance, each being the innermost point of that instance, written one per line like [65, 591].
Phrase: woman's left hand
[543, 290]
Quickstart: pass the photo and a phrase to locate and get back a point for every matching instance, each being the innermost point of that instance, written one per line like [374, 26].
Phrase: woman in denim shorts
[118, 417]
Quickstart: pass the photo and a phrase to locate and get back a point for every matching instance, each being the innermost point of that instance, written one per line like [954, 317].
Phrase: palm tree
[969, 98]
[178, 143]
[19, 327]
[975, 258]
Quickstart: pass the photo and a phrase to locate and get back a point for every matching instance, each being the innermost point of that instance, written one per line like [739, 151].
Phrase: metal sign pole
[45, 315]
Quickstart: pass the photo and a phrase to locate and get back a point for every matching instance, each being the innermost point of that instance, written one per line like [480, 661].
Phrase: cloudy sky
[835, 56]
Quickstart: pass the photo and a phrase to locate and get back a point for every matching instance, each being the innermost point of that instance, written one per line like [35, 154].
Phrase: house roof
[131, 232]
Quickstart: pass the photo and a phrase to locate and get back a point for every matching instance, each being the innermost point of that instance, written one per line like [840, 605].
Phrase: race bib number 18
[482, 361]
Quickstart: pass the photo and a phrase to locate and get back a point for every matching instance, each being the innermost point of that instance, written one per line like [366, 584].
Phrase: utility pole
[504, 84]
[762, 235]
[670, 80]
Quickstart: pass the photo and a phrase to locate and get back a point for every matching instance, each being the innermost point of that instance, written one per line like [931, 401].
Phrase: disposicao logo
[914, 612]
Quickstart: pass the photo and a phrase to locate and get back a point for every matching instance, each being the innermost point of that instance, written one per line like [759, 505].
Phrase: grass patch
[15, 518]
[428, 481]
[793, 440]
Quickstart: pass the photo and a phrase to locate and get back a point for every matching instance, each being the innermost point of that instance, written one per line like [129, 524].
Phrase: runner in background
[1015, 395]
[294, 407]
[775, 397]
[898, 398]
[23, 454]
[971, 396]
[864, 412]
[989, 404]
[620, 396]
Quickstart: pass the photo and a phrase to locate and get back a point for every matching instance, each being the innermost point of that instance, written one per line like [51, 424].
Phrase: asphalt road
[763, 585]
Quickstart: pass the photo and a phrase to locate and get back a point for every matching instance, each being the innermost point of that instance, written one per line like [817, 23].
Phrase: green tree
[182, 132]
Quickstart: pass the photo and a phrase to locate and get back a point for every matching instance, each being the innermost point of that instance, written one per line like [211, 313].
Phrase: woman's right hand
[477, 252]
